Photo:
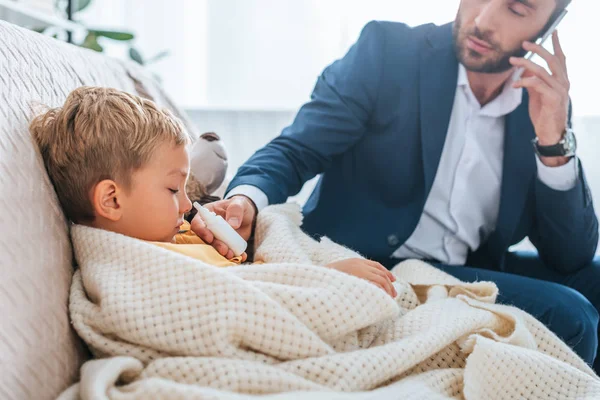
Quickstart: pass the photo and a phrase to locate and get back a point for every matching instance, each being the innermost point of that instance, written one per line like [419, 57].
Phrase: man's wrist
[254, 217]
[555, 161]
[550, 140]
[555, 149]
[257, 196]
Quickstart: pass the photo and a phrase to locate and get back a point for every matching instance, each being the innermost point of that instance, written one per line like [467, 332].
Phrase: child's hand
[369, 270]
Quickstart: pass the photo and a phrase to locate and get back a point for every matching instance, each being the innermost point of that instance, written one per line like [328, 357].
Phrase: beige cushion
[40, 354]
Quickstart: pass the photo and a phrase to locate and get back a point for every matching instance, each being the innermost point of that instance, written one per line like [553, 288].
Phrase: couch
[40, 353]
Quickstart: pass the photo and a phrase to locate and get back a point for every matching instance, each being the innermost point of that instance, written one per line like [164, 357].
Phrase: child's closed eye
[174, 191]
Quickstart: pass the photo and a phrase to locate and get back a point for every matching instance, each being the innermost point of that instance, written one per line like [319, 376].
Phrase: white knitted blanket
[163, 325]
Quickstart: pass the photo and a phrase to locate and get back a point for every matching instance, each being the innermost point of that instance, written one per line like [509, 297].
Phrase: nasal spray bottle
[222, 230]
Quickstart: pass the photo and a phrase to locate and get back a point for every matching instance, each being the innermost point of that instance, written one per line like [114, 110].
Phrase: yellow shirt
[188, 243]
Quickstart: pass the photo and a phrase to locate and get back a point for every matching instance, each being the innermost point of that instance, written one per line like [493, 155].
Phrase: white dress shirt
[461, 210]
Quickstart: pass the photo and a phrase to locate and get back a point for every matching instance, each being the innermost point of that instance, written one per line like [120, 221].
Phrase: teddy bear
[208, 166]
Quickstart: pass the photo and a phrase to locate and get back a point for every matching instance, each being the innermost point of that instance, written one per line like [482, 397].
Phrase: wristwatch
[565, 148]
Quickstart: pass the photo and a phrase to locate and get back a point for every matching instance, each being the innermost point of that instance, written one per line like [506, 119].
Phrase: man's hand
[239, 211]
[548, 95]
[369, 270]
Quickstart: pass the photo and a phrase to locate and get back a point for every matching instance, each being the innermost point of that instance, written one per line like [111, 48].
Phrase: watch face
[570, 143]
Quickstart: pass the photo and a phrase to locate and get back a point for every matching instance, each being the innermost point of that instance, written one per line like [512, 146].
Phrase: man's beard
[496, 64]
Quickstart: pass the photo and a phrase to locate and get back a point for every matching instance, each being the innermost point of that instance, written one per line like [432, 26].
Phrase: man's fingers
[382, 268]
[221, 210]
[235, 212]
[558, 49]
[220, 247]
[228, 209]
[199, 228]
[536, 70]
[535, 83]
[218, 207]
[210, 206]
[554, 63]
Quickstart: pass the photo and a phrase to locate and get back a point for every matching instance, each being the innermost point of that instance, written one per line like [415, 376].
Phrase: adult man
[424, 143]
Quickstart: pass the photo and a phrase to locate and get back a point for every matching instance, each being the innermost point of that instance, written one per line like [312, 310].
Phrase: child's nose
[186, 204]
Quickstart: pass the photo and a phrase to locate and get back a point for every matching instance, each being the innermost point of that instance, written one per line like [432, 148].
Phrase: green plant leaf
[136, 56]
[91, 42]
[115, 35]
[158, 57]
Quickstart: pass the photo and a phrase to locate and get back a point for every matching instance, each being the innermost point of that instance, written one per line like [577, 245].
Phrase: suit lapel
[438, 80]
[517, 172]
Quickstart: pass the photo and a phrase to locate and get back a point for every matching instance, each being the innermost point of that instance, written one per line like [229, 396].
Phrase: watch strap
[564, 148]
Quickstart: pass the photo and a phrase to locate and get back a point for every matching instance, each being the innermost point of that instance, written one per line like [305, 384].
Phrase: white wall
[178, 26]
[267, 54]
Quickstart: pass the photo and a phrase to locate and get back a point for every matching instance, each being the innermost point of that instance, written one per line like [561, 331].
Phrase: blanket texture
[162, 325]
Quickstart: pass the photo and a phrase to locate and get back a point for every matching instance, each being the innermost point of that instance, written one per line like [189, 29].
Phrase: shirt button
[393, 240]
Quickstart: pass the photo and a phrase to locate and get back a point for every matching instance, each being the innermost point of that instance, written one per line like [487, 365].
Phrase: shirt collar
[506, 102]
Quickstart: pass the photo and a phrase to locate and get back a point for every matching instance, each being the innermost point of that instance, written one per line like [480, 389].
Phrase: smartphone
[541, 40]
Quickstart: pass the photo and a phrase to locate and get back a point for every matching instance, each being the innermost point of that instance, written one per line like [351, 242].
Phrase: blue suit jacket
[375, 128]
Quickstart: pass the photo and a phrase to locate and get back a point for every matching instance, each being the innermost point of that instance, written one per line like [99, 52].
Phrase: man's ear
[105, 199]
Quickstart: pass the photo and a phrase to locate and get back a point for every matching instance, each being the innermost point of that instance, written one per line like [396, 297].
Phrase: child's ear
[105, 199]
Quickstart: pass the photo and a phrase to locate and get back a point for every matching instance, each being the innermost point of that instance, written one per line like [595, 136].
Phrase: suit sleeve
[566, 227]
[333, 120]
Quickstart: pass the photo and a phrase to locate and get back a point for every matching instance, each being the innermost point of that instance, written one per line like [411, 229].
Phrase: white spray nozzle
[203, 211]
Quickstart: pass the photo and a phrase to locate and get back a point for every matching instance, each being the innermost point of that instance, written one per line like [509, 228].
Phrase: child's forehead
[179, 172]
[171, 160]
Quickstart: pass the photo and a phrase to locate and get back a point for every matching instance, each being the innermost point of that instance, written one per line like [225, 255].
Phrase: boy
[119, 163]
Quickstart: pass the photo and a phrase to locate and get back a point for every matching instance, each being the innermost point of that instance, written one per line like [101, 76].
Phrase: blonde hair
[99, 133]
